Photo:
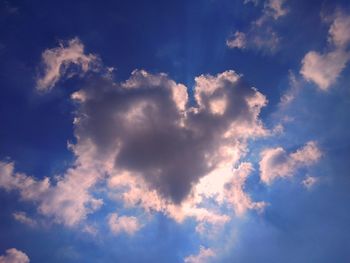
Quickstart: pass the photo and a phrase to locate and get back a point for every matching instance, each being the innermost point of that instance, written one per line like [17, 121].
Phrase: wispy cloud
[22, 217]
[260, 35]
[57, 61]
[204, 255]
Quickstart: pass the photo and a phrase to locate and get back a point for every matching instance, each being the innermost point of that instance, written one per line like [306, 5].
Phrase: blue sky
[174, 131]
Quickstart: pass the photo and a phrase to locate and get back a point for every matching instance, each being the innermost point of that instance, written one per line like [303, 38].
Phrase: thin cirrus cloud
[260, 35]
[277, 163]
[14, 255]
[323, 69]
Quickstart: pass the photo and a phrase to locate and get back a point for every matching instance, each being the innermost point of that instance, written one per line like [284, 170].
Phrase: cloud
[203, 256]
[255, 2]
[339, 30]
[324, 69]
[142, 128]
[275, 8]
[309, 182]
[260, 35]
[276, 163]
[13, 255]
[260, 38]
[237, 41]
[67, 201]
[154, 146]
[127, 224]
[295, 85]
[235, 194]
[57, 61]
[24, 219]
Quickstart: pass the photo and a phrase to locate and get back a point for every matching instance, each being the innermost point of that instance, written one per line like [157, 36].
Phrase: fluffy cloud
[13, 255]
[142, 128]
[204, 255]
[56, 62]
[126, 224]
[324, 69]
[154, 146]
[67, 201]
[277, 163]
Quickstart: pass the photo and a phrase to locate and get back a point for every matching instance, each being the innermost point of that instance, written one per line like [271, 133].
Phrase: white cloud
[324, 69]
[277, 163]
[203, 256]
[56, 62]
[13, 255]
[123, 224]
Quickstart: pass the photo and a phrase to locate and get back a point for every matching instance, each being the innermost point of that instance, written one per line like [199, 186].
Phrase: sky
[190, 131]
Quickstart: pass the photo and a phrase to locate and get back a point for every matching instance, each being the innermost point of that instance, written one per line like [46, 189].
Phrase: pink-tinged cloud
[323, 69]
[13, 255]
[155, 150]
[277, 163]
[203, 256]
[56, 62]
[260, 35]
[123, 224]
